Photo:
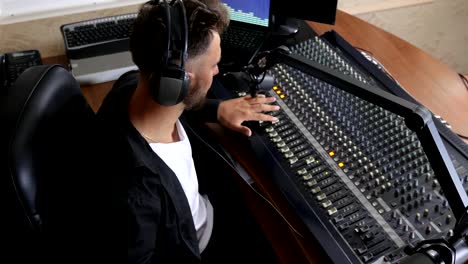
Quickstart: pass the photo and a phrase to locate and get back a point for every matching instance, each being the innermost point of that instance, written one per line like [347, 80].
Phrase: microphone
[245, 82]
[253, 78]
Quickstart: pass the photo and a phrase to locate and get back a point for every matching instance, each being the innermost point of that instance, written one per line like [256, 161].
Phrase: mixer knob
[445, 203]
[408, 197]
[450, 233]
[428, 229]
[399, 221]
[383, 189]
[415, 183]
[426, 212]
[421, 201]
[429, 197]
[436, 208]
[423, 190]
[409, 207]
[390, 175]
[402, 190]
[418, 217]
[427, 168]
[397, 182]
[409, 177]
[428, 177]
[412, 235]
[448, 219]
[408, 187]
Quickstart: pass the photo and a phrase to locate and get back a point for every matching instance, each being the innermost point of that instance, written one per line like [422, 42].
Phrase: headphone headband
[177, 36]
[173, 84]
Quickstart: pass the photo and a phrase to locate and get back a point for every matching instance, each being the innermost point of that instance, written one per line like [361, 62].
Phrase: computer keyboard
[242, 38]
[99, 36]
[238, 46]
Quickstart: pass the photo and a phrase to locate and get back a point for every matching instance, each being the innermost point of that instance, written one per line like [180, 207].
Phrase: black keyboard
[99, 36]
[238, 46]
[241, 38]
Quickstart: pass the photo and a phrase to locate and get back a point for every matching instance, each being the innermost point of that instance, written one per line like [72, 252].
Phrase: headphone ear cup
[172, 88]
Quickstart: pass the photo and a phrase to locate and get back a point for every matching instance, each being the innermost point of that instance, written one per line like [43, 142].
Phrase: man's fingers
[242, 129]
[260, 99]
[264, 117]
[264, 107]
[268, 108]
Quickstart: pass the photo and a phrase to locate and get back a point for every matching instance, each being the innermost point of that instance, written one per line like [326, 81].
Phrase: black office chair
[49, 146]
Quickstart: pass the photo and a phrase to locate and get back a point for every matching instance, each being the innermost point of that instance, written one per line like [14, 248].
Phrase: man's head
[148, 42]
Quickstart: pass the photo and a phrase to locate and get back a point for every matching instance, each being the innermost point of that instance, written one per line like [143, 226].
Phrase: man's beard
[195, 99]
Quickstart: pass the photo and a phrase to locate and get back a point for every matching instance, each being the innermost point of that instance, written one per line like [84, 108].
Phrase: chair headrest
[41, 105]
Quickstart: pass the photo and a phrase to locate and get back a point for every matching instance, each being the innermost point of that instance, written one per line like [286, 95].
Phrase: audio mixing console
[356, 174]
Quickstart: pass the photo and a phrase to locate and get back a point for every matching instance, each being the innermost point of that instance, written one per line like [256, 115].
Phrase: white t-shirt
[178, 156]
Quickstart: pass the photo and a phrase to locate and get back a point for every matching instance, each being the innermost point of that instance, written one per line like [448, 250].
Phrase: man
[169, 220]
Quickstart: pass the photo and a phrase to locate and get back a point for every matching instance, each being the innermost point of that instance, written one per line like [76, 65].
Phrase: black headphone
[173, 83]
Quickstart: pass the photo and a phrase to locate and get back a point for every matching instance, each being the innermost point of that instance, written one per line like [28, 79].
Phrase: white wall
[14, 11]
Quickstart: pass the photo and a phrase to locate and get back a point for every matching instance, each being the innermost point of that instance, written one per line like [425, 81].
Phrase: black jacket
[160, 226]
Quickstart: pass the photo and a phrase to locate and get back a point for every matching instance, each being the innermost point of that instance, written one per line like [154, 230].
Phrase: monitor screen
[256, 12]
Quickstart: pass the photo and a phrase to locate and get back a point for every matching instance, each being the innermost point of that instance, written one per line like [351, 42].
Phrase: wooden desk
[432, 83]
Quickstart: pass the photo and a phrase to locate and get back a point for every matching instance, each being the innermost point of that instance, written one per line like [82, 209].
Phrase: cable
[465, 82]
[256, 192]
[462, 136]
[364, 50]
[464, 79]
[254, 78]
[449, 126]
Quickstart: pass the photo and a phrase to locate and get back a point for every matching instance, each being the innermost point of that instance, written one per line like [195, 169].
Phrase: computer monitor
[322, 11]
[251, 12]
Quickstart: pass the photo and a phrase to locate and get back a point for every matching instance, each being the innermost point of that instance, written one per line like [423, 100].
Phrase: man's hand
[231, 113]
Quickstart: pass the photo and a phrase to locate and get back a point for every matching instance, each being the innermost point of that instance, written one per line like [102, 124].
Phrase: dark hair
[148, 39]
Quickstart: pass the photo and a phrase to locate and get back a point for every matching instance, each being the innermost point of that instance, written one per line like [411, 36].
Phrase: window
[12, 11]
